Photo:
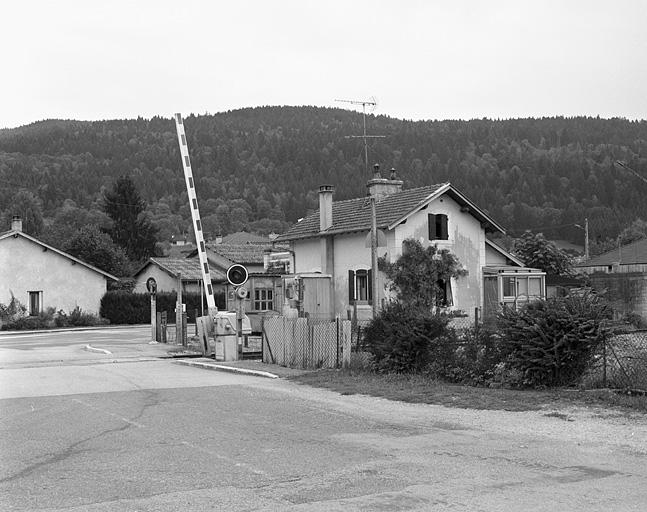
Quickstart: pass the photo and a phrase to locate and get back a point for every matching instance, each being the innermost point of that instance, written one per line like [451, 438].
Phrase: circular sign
[237, 275]
[151, 285]
[242, 292]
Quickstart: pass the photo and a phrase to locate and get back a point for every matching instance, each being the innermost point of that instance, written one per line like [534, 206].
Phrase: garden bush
[405, 339]
[124, 307]
[474, 359]
[551, 342]
[15, 318]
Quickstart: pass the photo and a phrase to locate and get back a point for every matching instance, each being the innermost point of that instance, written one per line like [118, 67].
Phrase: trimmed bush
[551, 342]
[48, 319]
[404, 339]
[123, 307]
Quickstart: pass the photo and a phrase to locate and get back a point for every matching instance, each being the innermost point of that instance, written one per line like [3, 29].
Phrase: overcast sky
[422, 59]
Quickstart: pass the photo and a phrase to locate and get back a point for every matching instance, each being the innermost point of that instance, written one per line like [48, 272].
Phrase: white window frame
[263, 299]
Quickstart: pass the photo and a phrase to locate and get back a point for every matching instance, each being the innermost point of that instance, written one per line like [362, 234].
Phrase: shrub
[123, 307]
[77, 318]
[51, 318]
[405, 339]
[11, 312]
[476, 354]
[551, 342]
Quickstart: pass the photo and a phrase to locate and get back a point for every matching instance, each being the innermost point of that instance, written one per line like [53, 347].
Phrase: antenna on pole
[373, 104]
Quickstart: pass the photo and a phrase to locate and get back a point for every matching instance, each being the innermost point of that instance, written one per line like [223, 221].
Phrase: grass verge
[421, 389]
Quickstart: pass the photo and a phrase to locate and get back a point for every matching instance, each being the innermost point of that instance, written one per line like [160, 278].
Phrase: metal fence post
[604, 362]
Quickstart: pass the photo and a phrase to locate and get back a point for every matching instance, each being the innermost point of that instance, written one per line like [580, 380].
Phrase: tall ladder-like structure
[195, 216]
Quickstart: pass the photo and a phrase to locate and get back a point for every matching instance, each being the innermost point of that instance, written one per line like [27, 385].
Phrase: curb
[224, 368]
[72, 329]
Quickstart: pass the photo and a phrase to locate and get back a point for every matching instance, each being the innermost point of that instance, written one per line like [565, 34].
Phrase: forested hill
[259, 169]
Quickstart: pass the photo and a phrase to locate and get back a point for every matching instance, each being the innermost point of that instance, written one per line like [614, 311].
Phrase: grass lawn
[420, 389]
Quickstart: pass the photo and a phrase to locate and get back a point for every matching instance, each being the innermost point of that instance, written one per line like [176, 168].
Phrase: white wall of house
[494, 257]
[26, 266]
[351, 253]
[307, 255]
[466, 241]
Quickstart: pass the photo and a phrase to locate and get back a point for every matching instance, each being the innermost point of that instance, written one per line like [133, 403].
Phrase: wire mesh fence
[307, 343]
[621, 363]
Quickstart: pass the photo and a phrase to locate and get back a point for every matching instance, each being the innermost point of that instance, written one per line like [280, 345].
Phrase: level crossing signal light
[237, 275]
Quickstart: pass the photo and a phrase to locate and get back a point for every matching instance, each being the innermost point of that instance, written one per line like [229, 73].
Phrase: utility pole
[374, 256]
[374, 270]
[586, 237]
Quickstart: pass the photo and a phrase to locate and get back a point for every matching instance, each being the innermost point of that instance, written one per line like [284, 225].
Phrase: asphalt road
[128, 431]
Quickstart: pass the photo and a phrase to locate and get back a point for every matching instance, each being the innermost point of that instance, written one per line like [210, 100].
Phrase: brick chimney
[325, 206]
[381, 187]
[16, 223]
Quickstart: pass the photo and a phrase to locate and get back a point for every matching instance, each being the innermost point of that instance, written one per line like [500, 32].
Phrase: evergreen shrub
[123, 307]
[404, 339]
[551, 342]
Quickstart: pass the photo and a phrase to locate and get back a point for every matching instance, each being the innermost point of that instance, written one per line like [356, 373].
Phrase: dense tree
[537, 252]
[69, 220]
[131, 228]
[28, 206]
[92, 246]
[419, 276]
[251, 165]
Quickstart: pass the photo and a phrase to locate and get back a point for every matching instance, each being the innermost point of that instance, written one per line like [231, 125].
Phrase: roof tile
[355, 214]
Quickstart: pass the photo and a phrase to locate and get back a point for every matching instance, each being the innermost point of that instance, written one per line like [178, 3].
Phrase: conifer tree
[131, 229]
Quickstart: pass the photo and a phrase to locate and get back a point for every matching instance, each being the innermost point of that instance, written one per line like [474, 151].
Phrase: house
[41, 276]
[622, 275]
[167, 271]
[624, 259]
[333, 243]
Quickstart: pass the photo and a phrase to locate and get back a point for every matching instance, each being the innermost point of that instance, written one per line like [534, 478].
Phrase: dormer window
[437, 224]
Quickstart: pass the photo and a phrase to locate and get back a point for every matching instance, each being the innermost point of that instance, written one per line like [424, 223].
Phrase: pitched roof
[631, 254]
[242, 237]
[15, 233]
[503, 252]
[188, 268]
[240, 253]
[355, 214]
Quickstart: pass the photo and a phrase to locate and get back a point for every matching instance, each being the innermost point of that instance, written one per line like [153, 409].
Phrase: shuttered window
[437, 224]
[359, 286]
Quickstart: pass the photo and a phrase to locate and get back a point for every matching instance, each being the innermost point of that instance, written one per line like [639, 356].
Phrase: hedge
[123, 307]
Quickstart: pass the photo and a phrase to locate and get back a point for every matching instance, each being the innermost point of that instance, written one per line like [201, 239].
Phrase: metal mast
[195, 216]
[373, 104]
[373, 284]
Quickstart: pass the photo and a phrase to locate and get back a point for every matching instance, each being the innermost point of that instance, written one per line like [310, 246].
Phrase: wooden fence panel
[298, 343]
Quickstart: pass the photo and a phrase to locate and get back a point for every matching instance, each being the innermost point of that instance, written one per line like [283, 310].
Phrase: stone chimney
[16, 223]
[381, 187]
[325, 206]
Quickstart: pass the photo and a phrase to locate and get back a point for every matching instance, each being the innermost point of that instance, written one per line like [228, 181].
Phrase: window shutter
[351, 286]
[442, 227]
[370, 285]
[431, 224]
